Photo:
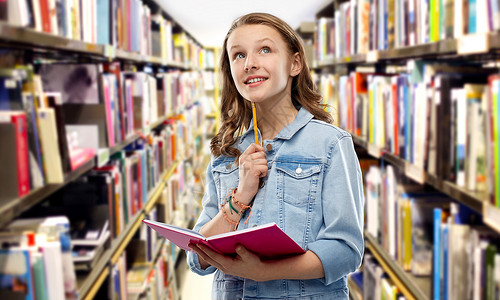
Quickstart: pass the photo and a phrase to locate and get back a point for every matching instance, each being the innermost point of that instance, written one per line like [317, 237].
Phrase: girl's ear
[296, 66]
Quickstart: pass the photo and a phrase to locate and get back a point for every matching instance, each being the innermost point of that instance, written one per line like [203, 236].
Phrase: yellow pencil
[255, 123]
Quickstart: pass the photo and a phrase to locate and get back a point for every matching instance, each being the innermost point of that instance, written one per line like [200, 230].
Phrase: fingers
[254, 149]
[208, 255]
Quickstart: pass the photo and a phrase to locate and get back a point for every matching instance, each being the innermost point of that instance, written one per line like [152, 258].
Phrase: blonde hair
[236, 112]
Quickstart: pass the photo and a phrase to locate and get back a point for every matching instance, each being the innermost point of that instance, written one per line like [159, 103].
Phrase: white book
[482, 16]
[373, 182]
[459, 261]
[391, 196]
[17, 13]
[37, 17]
[495, 14]
[458, 30]
[420, 125]
[68, 5]
[459, 100]
[54, 279]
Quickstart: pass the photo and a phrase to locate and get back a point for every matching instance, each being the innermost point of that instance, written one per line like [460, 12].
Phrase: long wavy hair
[236, 112]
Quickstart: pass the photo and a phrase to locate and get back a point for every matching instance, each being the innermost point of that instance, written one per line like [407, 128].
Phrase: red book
[80, 156]
[114, 68]
[268, 241]
[18, 119]
[45, 14]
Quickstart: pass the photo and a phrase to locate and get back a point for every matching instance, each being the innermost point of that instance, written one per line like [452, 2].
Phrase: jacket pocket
[298, 179]
[226, 177]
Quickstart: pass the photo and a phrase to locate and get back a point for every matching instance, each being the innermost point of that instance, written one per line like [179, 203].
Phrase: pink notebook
[268, 240]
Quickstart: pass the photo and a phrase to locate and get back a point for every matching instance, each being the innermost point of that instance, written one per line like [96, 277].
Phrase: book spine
[472, 16]
[21, 146]
[436, 255]
[48, 138]
[22, 154]
[496, 147]
[109, 111]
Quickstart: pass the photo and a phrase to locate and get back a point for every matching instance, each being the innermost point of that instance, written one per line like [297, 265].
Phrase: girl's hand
[246, 264]
[252, 167]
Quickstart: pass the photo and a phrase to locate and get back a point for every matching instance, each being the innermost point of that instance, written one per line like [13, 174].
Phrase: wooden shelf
[474, 200]
[445, 48]
[412, 287]
[40, 41]
[17, 206]
[88, 285]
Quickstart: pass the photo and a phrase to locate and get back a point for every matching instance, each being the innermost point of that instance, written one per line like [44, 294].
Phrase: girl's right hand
[252, 167]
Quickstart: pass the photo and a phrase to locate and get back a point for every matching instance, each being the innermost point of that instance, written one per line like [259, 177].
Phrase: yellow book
[406, 246]
[49, 144]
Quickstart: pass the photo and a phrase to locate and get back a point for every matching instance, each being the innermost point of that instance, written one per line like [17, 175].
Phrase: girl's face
[261, 65]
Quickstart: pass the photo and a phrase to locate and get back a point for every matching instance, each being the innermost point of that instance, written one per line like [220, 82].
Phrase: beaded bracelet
[231, 207]
[229, 199]
[228, 219]
[242, 206]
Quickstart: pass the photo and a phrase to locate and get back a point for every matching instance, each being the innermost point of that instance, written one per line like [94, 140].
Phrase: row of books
[441, 118]
[124, 24]
[149, 280]
[360, 26]
[430, 235]
[143, 268]
[53, 249]
[146, 259]
[37, 261]
[60, 118]
[374, 282]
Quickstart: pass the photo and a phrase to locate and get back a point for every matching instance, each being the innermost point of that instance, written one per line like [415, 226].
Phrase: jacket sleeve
[210, 210]
[340, 244]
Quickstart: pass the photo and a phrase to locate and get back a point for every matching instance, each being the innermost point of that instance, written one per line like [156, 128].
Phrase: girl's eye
[265, 50]
[239, 55]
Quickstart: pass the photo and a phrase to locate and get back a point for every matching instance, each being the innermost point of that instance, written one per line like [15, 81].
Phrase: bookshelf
[172, 142]
[89, 285]
[448, 49]
[411, 286]
[381, 54]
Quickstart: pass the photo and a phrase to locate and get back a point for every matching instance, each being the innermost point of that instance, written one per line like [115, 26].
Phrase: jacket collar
[303, 117]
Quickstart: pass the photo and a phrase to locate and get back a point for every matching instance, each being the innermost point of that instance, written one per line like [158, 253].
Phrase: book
[49, 144]
[16, 277]
[15, 174]
[268, 240]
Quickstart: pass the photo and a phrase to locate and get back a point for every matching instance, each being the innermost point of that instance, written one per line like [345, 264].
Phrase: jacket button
[269, 147]
[298, 170]
[228, 166]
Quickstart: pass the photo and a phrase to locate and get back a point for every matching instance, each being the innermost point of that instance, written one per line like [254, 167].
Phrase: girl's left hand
[246, 264]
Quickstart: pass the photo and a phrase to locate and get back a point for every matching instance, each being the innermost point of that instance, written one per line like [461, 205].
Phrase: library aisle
[107, 109]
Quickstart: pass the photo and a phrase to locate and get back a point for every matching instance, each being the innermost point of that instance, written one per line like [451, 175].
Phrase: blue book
[16, 278]
[402, 114]
[103, 22]
[436, 255]
[444, 264]
[408, 115]
[472, 16]
[33, 138]
[135, 18]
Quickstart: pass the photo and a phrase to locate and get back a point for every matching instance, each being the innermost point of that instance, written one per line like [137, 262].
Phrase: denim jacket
[313, 191]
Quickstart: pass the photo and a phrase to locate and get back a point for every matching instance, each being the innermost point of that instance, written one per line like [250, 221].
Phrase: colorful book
[268, 240]
[16, 278]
